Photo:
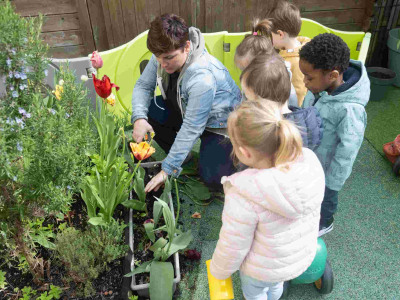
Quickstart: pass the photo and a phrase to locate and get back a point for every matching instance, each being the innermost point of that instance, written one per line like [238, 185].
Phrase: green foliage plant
[3, 282]
[29, 294]
[43, 139]
[85, 254]
[161, 271]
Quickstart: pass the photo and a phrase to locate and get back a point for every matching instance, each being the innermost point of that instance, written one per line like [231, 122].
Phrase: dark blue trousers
[329, 205]
[215, 150]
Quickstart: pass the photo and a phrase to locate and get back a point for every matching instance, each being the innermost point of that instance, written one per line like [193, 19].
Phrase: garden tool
[219, 289]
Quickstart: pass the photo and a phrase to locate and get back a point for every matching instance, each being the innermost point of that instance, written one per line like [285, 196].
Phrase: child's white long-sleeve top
[270, 221]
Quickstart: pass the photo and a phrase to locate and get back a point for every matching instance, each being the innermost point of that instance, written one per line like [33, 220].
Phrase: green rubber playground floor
[363, 248]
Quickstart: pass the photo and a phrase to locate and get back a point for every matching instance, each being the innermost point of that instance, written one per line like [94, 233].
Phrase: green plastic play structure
[123, 64]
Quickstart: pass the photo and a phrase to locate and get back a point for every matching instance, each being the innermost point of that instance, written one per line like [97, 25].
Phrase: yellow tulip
[58, 92]
[142, 150]
[111, 100]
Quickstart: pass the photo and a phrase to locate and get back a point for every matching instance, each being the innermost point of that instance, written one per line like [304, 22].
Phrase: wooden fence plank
[166, 6]
[117, 22]
[347, 26]
[187, 11]
[97, 19]
[141, 17]
[62, 38]
[129, 15]
[336, 16]
[199, 14]
[214, 15]
[86, 26]
[176, 7]
[313, 5]
[60, 22]
[47, 7]
[108, 24]
[67, 52]
[153, 10]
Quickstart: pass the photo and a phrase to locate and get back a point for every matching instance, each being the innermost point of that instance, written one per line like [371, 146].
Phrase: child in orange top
[285, 28]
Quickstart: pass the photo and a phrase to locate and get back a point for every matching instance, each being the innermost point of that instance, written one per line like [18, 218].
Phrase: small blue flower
[19, 147]
[13, 51]
[23, 76]
[28, 115]
[15, 94]
[69, 188]
[17, 74]
[52, 111]
[11, 88]
[10, 74]
[21, 111]
[46, 72]
[19, 121]
[15, 178]
[67, 115]
[8, 61]
[22, 87]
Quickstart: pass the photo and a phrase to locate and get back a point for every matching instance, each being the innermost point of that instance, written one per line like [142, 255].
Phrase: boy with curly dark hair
[339, 88]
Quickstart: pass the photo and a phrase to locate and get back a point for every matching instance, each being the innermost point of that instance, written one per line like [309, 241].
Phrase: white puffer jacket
[270, 221]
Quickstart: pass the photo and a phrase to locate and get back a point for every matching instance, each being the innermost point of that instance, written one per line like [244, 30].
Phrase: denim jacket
[206, 95]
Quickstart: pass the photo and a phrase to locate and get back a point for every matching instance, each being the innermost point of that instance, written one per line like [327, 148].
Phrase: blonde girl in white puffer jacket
[272, 209]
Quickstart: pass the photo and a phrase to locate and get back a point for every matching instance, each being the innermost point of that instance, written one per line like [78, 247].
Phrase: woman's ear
[187, 47]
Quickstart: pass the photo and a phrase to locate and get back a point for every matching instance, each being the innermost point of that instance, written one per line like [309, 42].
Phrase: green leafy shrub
[86, 254]
[44, 137]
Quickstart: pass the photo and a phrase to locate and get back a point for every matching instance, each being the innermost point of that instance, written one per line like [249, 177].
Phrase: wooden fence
[74, 28]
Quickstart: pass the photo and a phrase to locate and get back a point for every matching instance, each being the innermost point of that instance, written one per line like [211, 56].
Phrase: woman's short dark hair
[167, 33]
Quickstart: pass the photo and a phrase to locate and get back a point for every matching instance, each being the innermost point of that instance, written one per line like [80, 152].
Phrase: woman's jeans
[254, 289]
[215, 159]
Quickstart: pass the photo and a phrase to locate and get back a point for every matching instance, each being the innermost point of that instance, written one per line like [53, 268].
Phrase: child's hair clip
[255, 33]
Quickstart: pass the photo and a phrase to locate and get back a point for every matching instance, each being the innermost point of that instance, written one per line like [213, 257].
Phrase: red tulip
[97, 61]
[103, 87]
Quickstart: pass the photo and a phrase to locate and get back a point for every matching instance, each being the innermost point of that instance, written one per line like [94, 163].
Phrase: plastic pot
[393, 44]
[381, 79]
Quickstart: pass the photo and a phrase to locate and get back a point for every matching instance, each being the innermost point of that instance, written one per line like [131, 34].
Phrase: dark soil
[380, 75]
[108, 285]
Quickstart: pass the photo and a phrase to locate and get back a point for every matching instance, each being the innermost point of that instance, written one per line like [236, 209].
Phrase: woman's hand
[156, 182]
[140, 128]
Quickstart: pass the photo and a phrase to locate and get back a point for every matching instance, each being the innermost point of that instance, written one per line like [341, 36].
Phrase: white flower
[61, 82]
[84, 78]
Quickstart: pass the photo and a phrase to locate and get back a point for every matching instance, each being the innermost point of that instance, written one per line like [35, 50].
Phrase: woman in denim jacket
[197, 95]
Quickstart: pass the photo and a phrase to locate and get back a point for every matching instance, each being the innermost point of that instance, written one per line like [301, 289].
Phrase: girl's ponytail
[263, 27]
[260, 126]
[290, 143]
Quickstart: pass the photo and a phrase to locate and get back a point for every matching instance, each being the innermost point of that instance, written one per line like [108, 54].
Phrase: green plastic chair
[123, 64]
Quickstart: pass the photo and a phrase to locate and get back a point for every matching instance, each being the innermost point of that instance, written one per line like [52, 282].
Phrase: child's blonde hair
[268, 78]
[286, 17]
[261, 127]
[258, 42]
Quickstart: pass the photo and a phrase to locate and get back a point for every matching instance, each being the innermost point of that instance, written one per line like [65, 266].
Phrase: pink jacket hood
[284, 193]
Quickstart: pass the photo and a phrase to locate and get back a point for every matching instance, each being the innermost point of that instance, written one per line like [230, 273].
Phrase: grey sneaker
[325, 228]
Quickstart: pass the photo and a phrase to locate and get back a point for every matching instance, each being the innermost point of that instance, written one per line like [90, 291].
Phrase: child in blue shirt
[339, 88]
